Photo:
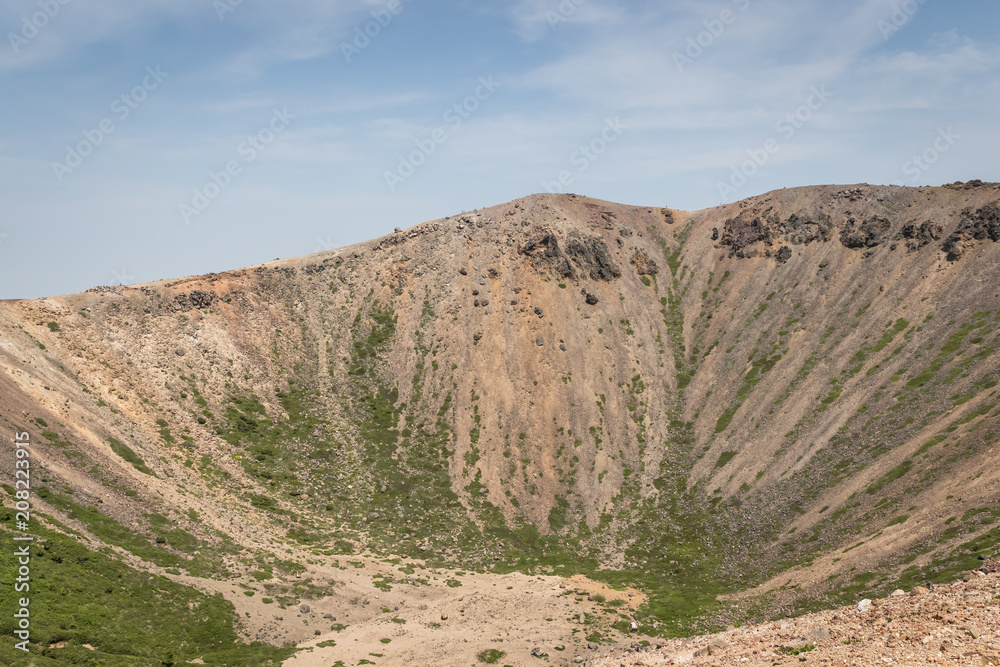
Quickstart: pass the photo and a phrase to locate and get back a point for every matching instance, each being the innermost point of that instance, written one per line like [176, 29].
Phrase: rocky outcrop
[644, 264]
[868, 234]
[744, 231]
[589, 254]
[974, 227]
[195, 299]
[918, 236]
[592, 256]
[803, 229]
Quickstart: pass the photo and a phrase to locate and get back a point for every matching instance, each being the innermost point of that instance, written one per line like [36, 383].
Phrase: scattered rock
[715, 646]
[644, 264]
[196, 299]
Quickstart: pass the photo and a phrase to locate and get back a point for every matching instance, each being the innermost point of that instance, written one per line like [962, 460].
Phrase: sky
[164, 138]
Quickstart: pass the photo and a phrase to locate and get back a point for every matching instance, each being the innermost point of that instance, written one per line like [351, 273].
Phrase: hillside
[755, 410]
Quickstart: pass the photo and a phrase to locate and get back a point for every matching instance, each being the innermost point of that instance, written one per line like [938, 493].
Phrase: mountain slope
[784, 401]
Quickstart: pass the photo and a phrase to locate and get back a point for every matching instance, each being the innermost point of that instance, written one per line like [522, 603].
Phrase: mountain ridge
[749, 410]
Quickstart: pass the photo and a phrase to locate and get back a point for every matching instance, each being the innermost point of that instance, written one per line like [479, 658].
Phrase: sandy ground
[423, 620]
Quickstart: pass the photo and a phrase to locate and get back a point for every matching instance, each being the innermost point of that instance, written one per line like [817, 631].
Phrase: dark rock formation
[195, 299]
[803, 229]
[589, 253]
[979, 226]
[868, 234]
[918, 236]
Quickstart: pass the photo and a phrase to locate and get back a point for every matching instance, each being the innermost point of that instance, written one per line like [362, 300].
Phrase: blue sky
[157, 139]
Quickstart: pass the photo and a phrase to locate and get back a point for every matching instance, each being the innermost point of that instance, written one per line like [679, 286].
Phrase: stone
[444, 617]
[820, 634]
[304, 609]
[898, 593]
[537, 652]
[864, 605]
[591, 299]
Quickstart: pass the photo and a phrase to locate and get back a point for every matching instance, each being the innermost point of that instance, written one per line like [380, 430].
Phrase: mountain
[755, 410]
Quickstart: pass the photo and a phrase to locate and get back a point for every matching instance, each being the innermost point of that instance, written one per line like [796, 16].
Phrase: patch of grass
[126, 453]
[890, 477]
[135, 618]
[725, 458]
[490, 656]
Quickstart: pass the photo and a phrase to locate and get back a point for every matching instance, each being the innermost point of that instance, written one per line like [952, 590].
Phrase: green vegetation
[490, 656]
[125, 452]
[133, 618]
[164, 544]
[724, 458]
[789, 650]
